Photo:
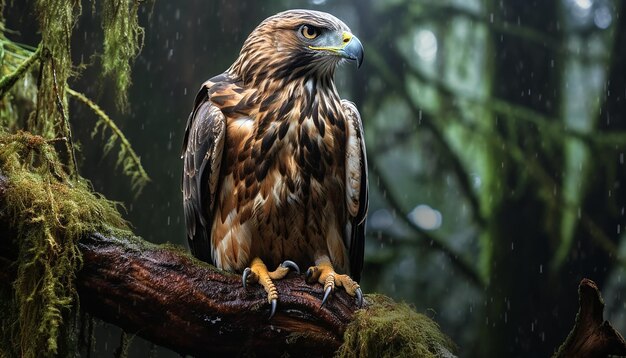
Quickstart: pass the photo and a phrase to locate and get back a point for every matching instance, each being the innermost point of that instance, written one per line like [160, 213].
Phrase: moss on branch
[48, 213]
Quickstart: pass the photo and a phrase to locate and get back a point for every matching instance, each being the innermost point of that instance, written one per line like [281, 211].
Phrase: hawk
[275, 169]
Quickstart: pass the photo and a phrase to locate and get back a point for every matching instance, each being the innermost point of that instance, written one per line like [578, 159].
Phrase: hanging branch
[127, 157]
[512, 112]
[9, 80]
[69, 144]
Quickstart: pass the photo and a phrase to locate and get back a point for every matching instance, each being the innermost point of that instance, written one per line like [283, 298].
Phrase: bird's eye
[309, 32]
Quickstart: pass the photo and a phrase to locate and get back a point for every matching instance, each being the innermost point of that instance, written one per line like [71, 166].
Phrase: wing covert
[356, 188]
[202, 157]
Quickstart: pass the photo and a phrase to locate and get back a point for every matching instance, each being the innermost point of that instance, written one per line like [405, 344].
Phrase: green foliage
[48, 212]
[56, 22]
[18, 92]
[46, 204]
[123, 39]
[46, 104]
[388, 329]
[126, 157]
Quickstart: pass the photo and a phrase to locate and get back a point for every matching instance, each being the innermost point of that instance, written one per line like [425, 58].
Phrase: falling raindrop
[476, 181]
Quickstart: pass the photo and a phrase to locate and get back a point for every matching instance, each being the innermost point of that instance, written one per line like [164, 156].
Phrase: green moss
[46, 204]
[56, 22]
[123, 39]
[389, 329]
[126, 157]
[18, 90]
[49, 213]
[46, 105]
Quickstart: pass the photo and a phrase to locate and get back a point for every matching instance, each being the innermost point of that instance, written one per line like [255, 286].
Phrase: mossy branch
[127, 158]
[164, 295]
[7, 82]
[43, 213]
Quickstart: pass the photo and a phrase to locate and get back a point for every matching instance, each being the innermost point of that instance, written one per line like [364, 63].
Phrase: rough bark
[591, 336]
[165, 296]
[173, 300]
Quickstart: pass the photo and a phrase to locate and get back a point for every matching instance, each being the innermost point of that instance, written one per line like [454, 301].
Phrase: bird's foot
[324, 273]
[258, 272]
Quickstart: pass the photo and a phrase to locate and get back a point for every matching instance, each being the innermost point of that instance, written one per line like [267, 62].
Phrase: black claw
[308, 275]
[244, 277]
[359, 297]
[273, 310]
[292, 265]
[326, 294]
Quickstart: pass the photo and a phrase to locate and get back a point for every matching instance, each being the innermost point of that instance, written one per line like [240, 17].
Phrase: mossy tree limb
[8, 81]
[166, 296]
[127, 157]
[43, 214]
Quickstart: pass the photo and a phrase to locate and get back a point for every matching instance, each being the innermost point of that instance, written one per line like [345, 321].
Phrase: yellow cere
[346, 37]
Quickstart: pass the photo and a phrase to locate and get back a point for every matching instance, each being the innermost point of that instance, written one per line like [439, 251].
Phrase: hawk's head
[295, 44]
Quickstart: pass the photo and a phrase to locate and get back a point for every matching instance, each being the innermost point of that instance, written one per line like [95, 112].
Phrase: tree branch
[166, 296]
[591, 336]
[163, 295]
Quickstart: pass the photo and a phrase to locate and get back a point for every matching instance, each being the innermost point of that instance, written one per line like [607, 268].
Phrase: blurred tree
[519, 197]
[486, 95]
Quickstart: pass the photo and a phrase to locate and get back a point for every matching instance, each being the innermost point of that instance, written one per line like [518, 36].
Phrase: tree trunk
[521, 298]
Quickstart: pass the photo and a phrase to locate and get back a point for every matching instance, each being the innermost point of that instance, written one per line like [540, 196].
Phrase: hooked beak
[352, 49]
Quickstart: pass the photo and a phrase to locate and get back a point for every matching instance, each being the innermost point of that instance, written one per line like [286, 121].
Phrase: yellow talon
[257, 272]
[324, 273]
